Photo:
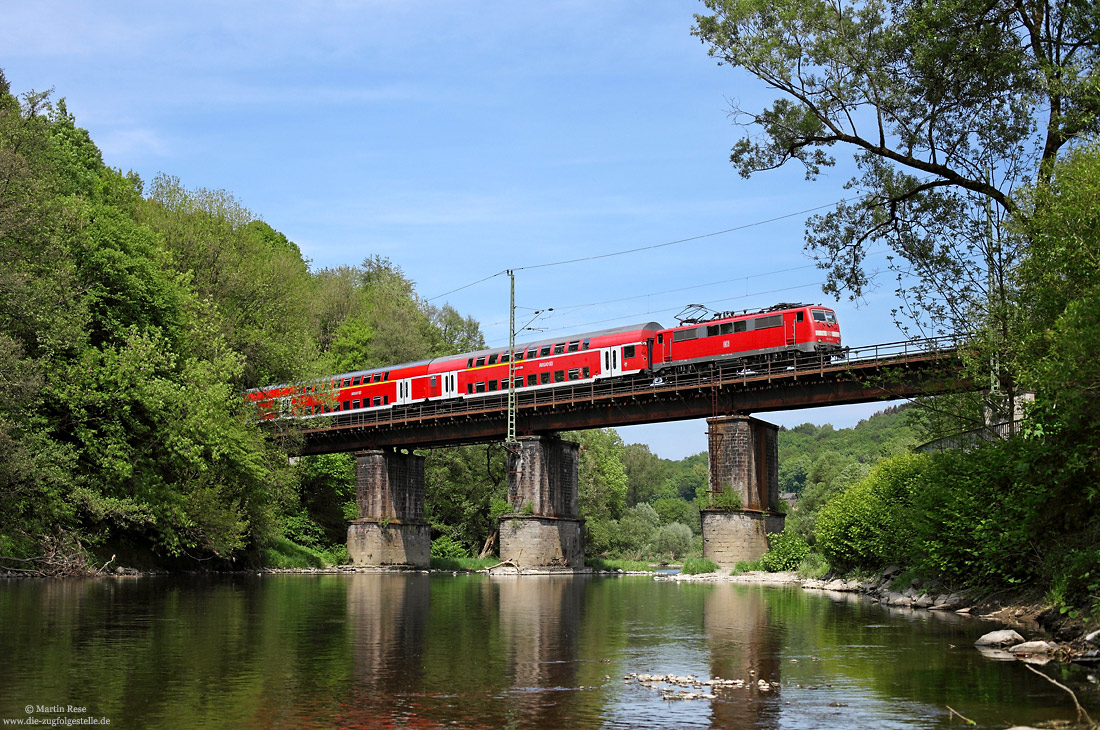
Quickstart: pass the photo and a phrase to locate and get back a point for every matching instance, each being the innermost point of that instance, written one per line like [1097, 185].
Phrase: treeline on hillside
[132, 317]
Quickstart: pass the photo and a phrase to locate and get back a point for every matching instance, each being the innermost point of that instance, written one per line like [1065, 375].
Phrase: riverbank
[1067, 638]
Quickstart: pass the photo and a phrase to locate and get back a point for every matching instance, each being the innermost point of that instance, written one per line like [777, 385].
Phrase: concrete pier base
[391, 529]
[544, 529]
[744, 460]
[732, 537]
[530, 541]
[395, 545]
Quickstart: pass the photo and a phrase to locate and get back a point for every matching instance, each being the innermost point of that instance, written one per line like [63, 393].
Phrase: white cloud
[129, 143]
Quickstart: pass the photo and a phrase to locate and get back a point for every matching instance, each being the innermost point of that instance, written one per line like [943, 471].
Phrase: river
[424, 651]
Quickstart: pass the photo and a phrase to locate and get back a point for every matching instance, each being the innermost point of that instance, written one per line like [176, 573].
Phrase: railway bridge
[544, 529]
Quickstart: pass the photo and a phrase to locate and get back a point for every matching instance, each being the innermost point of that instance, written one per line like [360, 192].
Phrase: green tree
[673, 510]
[254, 278]
[1060, 290]
[646, 474]
[466, 488]
[601, 475]
[948, 106]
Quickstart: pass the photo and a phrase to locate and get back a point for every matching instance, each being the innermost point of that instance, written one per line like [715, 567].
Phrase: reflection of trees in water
[743, 645]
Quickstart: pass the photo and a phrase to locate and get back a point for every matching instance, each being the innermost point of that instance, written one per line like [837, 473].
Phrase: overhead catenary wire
[627, 317]
[639, 249]
[567, 308]
[650, 247]
[561, 311]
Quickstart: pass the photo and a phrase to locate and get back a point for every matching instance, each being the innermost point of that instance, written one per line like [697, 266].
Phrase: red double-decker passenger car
[794, 330]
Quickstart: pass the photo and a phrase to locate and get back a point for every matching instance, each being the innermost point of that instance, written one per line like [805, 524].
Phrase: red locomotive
[786, 330]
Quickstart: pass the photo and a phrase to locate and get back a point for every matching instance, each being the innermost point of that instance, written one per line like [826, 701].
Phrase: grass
[693, 566]
[283, 553]
[744, 566]
[813, 566]
[616, 565]
[464, 564]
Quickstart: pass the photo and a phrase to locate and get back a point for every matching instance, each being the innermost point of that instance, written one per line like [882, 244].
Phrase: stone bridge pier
[390, 529]
[744, 459]
[544, 529]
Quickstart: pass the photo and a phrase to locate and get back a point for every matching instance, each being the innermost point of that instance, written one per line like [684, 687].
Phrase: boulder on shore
[1034, 647]
[1004, 637]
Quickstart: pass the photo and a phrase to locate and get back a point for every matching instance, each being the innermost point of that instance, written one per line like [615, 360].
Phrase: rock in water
[1004, 637]
[1034, 647]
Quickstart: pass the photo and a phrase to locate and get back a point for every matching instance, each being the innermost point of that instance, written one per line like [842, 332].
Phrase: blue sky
[460, 139]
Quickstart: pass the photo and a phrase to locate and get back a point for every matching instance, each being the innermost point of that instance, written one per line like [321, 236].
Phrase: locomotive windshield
[820, 315]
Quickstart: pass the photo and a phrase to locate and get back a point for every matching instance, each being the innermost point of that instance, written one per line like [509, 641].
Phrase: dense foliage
[130, 322]
[1020, 512]
[121, 418]
[817, 462]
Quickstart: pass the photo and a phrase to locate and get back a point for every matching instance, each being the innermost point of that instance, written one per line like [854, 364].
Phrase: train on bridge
[785, 330]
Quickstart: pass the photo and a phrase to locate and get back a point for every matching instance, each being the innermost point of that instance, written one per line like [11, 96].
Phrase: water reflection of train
[786, 330]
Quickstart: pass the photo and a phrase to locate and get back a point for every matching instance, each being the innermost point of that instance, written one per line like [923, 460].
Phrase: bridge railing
[763, 369]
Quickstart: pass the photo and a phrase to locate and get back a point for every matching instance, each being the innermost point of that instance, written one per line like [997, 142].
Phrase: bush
[727, 500]
[445, 546]
[745, 566]
[694, 566]
[868, 524]
[600, 536]
[991, 515]
[674, 540]
[785, 551]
